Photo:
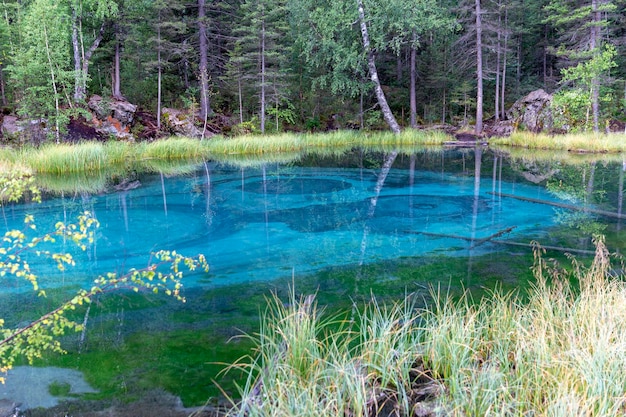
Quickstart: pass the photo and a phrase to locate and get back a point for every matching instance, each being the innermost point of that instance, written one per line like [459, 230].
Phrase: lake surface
[344, 227]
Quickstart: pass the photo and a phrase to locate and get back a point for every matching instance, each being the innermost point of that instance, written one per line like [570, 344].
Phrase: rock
[180, 123]
[532, 112]
[112, 117]
[34, 131]
[501, 128]
[8, 408]
[10, 126]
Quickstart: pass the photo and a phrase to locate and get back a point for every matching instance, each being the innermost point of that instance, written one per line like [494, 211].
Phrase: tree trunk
[54, 86]
[205, 106]
[87, 57]
[498, 57]
[479, 71]
[413, 76]
[79, 93]
[160, 73]
[371, 63]
[594, 46]
[545, 57]
[262, 75]
[2, 93]
[117, 92]
[399, 68]
[506, 45]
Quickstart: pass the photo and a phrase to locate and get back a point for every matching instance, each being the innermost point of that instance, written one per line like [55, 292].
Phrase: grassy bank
[557, 351]
[573, 142]
[159, 156]
[91, 157]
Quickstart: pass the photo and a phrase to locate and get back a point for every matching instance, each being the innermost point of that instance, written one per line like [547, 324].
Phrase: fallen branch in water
[556, 248]
[476, 241]
[491, 239]
[562, 205]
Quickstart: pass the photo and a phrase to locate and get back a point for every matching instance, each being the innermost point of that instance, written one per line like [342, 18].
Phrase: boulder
[112, 116]
[10, 126]
[180, 123]
[533, 112]
[23, 131]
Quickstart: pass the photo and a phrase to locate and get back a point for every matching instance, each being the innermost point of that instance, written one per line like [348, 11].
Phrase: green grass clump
[572, 142]
[59, 159]
[339, 140]
[559, 350]
[178, 148]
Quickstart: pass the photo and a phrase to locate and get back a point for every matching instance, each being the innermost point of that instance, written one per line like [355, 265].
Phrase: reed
[174, 148]
[76, 183]
[560, 349]
[338, 140]
[60, 159]
[572, 142]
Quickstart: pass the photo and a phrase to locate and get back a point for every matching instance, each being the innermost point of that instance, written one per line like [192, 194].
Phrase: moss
[60, 389]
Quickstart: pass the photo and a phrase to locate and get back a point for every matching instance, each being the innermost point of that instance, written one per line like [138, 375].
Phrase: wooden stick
[469, 239]
[562, 205]
[504, 242]
[557, 248]
[478, 242]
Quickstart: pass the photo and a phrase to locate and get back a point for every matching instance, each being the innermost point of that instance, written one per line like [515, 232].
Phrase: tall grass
[175, 148]
[573, 142]
[342, 139]
[559, 350]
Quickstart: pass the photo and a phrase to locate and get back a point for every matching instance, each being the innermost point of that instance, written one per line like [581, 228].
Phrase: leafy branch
[163, 273]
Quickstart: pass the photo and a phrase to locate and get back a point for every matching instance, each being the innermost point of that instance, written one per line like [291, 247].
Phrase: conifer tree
[582, 48]
[262, 51]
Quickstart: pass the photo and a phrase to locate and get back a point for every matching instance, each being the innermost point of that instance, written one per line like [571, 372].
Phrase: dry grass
[559, 351]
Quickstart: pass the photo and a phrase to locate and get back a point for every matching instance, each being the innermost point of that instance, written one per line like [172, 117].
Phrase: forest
[240, 66]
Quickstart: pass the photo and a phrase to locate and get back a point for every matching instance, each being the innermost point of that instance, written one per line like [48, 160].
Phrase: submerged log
[556, 248]
[477, 241]
[562, 205]
[503, 242]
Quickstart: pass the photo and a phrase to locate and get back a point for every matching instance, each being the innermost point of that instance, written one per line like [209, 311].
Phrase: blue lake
[338, 226]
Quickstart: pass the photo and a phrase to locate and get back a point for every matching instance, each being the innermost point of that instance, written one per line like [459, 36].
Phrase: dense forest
[275, 65]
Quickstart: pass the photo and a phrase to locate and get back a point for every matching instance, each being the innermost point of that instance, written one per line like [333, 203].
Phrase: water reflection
[256, 223]
[387, 222]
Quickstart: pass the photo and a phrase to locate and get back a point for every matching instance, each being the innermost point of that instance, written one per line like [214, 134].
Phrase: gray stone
[112, 116]
[533, 112]
[180, 123]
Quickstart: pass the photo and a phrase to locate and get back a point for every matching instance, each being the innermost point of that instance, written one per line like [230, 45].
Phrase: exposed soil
[79, 129]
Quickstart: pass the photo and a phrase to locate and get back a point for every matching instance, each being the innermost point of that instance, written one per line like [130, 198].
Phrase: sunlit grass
[76, 182]
[573, 142]
[557, 156]
[60, 159]
[173, 148]
[342, 140]
[557, 350]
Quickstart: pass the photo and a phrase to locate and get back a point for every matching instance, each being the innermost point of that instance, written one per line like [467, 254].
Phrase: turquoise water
[257, 224]
[344, 228]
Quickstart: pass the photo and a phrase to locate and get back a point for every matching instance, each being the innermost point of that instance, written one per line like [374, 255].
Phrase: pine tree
[583, 48]
[41, 67]
[261, 52]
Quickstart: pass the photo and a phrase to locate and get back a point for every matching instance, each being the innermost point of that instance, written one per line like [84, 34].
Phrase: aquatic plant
[557, 350]
[572, 142]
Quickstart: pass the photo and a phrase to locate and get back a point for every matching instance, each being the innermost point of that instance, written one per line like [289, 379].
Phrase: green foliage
[572, 185]
[17, 182]
[572, 105]
[555, 349]
[60, 389]
[163, 275]
[41, 67]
